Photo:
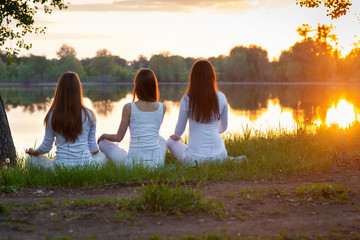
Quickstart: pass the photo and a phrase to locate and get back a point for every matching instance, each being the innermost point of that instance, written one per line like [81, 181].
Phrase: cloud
[178, 5]
[75, 36]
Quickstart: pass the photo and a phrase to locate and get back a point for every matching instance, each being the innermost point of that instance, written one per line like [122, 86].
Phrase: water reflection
[260, 108]
[342, 114]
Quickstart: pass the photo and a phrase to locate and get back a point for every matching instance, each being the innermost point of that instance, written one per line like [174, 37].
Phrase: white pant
[181, 152]
[119, 156]
[45, 162]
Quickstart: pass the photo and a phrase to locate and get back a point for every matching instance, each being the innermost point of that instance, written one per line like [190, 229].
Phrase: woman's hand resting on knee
[175, 138]
[32, 152]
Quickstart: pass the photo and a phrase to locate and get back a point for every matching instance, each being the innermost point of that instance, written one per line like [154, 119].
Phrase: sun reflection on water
[342, 114]
[276, 118]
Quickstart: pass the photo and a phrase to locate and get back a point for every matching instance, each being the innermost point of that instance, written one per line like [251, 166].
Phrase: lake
[255, 108]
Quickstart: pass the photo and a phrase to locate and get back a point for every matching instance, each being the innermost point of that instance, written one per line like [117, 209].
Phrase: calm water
[254, 107]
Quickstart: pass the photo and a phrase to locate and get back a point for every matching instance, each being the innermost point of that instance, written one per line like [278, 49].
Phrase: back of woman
[204, 138]
[144, 132]
[77, 152]
[206, 109]
[143, 117]
[71, 125]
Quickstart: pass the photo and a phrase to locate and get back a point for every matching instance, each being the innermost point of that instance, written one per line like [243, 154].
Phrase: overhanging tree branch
[17, 20]
[335, 8]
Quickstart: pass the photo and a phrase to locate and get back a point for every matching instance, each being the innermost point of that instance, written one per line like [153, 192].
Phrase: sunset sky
[189, 28]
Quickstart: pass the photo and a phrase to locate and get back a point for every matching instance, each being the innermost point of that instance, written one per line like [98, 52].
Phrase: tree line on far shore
[315, 58]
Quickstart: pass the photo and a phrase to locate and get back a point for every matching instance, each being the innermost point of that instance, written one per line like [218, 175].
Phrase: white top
[67, 151]
[204, 138]
[144, 134]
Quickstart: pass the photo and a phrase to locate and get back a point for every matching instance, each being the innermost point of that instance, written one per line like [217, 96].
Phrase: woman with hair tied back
[71, 125]
[206, 109]
[144, 118]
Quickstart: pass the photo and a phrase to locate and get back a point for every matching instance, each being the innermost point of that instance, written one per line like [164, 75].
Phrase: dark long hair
[146, 86]
[67, 107]
[203, 101]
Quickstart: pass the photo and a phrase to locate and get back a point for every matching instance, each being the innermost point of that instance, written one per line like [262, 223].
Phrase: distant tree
[69, 63]
[25, 72]
[351, 65]
[17, 18]
[120, 61]
[102, 65]
[66, 51]
[247, 64]
[140, 62]
[169, 68]
[123, 74]
[323, 33]
[38, 66]
[189, 62]
[335, 8]
[304, 30]
[218, 63]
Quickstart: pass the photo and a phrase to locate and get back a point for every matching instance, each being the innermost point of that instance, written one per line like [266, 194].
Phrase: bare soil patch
[254, 208]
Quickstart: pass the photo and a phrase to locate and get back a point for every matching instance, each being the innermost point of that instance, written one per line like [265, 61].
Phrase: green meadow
[270, 155]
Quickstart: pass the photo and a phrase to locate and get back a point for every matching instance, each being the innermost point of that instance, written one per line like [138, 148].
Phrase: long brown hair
[146, 86]
[203, 101]
[67, 107]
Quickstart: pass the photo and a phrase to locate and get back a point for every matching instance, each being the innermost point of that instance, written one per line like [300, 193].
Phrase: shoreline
[53, 84]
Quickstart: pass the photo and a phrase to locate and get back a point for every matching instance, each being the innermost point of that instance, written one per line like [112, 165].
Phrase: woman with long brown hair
[206, 109]
[144, 118]
[71, 125]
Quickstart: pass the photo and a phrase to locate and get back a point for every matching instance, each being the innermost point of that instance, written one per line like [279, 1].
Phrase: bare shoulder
[127, 109]
[127, 106]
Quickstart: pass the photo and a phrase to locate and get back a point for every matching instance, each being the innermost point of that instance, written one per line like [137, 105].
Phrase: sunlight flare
[343, 114]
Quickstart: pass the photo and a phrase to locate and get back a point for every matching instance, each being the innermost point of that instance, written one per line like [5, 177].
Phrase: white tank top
[144, 133]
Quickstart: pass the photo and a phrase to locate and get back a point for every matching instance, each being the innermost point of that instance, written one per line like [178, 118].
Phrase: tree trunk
[7, 148]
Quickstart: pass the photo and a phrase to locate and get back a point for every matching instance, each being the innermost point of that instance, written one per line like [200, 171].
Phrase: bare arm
[124, 124]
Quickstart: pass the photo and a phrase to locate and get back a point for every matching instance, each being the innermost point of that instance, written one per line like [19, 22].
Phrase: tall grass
[270, 155]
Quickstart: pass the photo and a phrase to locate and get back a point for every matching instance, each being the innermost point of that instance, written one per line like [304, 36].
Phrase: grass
[153, 198]
[325, 191]
[276, 211]
[270, 155]
[162, 199]
[157, 199]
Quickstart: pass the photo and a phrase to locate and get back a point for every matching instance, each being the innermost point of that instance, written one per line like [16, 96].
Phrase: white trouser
[181, 152]
[45, 162]
[119, 156]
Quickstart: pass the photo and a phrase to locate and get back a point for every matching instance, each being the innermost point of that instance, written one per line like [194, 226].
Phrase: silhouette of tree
[304, 30]
[66, 51]
[335, 8]
[247, 64]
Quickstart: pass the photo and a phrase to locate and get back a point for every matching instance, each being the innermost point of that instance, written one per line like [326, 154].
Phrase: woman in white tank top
[144, 118]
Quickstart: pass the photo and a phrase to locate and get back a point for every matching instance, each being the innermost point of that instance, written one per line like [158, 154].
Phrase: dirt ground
[265, 209]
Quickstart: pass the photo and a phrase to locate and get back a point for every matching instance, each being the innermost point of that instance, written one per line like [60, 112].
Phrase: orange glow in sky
[182, 27]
